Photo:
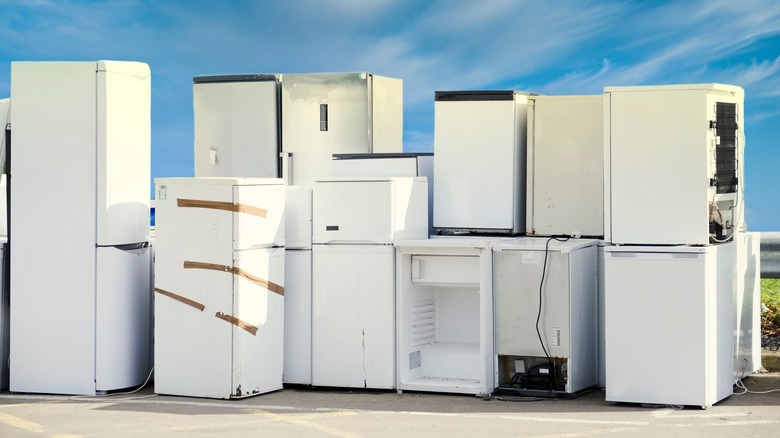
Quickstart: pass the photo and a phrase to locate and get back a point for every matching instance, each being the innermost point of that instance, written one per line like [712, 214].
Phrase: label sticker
[531, 258]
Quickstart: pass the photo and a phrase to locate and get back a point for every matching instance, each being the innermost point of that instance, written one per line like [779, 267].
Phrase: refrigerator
[669, 327]
[5, 120]
[328, 113]
[444, 314]
[747, 305]
[565, 166]
[356, 222]
[80, 225]
[389, 164]
[674, 164]
[219, 286]
[297, 287]
[479, 143]
[5, 310]
[544, 296]
[237, 121]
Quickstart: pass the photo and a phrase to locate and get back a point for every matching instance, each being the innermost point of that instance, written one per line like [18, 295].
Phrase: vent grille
[423, 320]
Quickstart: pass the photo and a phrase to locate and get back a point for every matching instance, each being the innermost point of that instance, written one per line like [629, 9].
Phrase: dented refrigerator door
[219, 286]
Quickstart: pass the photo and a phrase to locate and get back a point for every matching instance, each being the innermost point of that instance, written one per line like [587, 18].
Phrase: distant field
[770, 297]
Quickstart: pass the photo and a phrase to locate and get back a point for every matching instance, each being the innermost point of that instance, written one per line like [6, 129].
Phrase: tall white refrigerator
[80, 224]
[219, 286]
[356, 222]
[668, 323]
[479, 150]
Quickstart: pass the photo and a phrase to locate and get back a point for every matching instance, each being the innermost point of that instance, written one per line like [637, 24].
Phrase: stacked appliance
[545, 315]
[244, 122]
[444, 313]
[81, 170]
[673, 202]
[356, 222]
[5, 304]
[297, 285]
[219, 283]
[389, 164]
[480, 151]
[747, 305]
[565, 144]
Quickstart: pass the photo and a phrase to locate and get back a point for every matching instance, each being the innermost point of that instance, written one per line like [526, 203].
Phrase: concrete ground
[323, 413]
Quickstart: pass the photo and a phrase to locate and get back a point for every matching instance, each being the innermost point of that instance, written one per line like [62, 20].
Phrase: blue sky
[549, 47]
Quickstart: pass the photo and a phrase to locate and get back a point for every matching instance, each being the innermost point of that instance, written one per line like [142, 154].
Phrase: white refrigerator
[444, 314]
[479, 147]
[544, 293]
[673, 164]
[237, 121]
[668, 322]
[565, 166]
[297, 285]
[328, 113]
[219, 286]
[747, 305]
[356, 222]
[80, 225]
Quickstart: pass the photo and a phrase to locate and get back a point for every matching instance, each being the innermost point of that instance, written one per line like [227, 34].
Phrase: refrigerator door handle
[286, 167]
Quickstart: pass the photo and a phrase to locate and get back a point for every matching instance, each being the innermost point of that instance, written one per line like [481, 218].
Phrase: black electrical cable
[539, 312]
[7, 258]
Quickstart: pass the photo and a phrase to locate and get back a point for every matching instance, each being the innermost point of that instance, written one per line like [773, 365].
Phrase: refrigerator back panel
[693, 198]
[237, 128]
[329, 113]
[366, 210]
[479, 162]
[565, 166]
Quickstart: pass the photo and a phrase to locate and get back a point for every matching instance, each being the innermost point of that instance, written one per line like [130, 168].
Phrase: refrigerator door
[329, 113]
[479, 161]
[122, 318]
[257, 319]
[297, 317]
[237, 127]
[353, 322]
[123, 152]
[259, 220]
[565, 144]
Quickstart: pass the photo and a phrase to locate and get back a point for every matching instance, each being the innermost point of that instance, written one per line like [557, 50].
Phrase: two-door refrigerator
[219, 286]
[668, 321]
[80, 224]
[479, 145]
[355, 225]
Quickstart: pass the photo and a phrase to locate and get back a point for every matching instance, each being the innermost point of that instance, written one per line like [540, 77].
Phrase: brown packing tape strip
[219, 205]
[237, 322]
[273, 287]
[177, 297]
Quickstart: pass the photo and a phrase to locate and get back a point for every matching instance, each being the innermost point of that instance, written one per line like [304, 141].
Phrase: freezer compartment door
[236, 128]
[353, 323]
[257, 321]
[353, 211]
[123, 153]
[297, 317]
[259, 220]
[122, 314]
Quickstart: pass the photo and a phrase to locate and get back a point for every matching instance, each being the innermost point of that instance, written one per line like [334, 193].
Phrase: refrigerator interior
[329, 113]
[479, 161]
[674, 304]
[444, 316]
[565, 271]
[353, 318]
[747, 311]
[565, 166]
[237, 126]
[388, 165]
[654, 200]
[219, 283]
[97, 119]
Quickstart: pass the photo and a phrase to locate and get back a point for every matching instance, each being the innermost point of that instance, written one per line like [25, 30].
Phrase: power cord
[143, 385]
[739, 384]
[539, 312]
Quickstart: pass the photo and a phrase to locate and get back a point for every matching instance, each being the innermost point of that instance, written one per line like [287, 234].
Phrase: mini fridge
[674, 164]
[479, 145]
[565, 166]
[669, 323]
[545, 315]
[297, 285]
[444, 315]
[219, 286]
[356, 222]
